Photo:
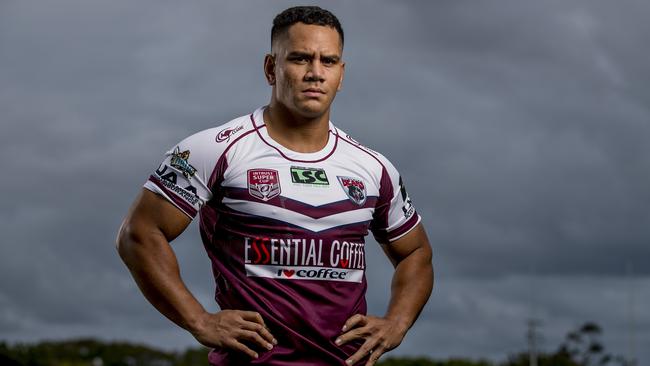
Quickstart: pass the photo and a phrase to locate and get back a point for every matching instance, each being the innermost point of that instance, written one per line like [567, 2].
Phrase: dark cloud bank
[521, 129]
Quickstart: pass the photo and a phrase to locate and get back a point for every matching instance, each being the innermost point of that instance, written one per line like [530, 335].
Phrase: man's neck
[303, 135]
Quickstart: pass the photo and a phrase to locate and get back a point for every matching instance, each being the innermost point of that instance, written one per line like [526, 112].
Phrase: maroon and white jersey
[285, 230]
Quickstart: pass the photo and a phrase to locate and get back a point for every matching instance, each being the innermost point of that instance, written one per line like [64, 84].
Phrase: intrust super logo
[263, 184]
[305, 273]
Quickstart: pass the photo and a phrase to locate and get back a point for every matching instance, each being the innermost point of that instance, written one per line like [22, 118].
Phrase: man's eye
[329, 61]
[300, 59]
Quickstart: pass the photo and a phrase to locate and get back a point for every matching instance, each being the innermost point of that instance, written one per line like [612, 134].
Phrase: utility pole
[631, 349]
[533, 323]
[532, 341]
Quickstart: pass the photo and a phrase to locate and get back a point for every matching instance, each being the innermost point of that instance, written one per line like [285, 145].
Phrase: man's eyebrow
[300, 53]
[332, 57]
[311, 55]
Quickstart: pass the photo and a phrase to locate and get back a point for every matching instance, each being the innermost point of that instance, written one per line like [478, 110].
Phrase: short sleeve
[394, 214]
[183, 177]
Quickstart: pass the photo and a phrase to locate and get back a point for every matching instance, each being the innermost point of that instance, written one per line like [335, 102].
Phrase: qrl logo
[263, 184]
[322, 273]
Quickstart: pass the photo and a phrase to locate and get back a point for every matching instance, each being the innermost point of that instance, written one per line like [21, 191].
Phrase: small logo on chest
[309, 176]
[225, 134]
[263, 184]
[355, 189]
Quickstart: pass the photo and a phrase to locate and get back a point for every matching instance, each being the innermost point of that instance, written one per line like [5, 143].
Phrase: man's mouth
[313, 92]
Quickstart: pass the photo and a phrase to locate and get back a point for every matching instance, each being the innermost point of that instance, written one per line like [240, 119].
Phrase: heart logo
[344, 263]
[288, 272]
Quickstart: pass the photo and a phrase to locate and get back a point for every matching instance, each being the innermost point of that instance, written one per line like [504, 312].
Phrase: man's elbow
[423, 255]
[125, 241]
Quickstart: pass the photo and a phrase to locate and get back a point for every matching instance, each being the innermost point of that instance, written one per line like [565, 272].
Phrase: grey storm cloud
[520, 128]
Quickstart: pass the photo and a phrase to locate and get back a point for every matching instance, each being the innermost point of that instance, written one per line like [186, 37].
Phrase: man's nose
[315, 71]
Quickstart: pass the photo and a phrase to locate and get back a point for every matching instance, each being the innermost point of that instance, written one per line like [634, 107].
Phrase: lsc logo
[310, 176]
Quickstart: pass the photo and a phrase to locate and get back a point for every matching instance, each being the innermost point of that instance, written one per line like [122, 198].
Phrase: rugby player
[285, 200]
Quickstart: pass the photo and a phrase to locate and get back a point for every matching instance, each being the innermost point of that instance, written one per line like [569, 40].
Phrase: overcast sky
[521, 129]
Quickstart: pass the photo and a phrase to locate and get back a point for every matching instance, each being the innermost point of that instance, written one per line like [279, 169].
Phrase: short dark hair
[304, 14]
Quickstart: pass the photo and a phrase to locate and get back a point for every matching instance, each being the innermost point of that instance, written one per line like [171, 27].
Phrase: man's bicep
[151, 211]
[415, 239]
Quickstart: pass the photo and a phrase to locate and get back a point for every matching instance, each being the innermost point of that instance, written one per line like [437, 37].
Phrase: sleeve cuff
[158, 186]
[404, 229]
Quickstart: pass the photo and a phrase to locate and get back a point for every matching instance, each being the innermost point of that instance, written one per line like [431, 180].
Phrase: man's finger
[353, 321]
[252, 316]
[263, 331]
[238, 346]
[375, 354]
[365, 349]
[351, 335]
[256, 338]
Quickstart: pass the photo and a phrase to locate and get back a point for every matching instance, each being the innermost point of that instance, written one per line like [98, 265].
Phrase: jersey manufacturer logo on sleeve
[354, 188]
[309, 176]
[263, 184]
[227, 133]
[179, 161]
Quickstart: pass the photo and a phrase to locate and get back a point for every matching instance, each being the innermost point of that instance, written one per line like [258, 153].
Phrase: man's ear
[269, 69]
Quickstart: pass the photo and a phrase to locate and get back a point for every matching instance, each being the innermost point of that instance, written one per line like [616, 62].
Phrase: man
[285, 201]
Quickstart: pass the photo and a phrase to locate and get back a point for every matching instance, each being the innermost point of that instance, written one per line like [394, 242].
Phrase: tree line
[581, 347]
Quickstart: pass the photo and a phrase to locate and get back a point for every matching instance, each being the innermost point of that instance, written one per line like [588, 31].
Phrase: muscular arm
[143, 245]
[413, 278]
[410, 289]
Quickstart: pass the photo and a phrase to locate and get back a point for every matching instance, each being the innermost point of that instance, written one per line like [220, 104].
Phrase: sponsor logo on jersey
[169, 180]
[304, 252]
[227, 133]
[354, 188]
[408, 208]
[309, 176]
[179, 161]
[305, 273]
[263, 184]
[361, 146]
[304, 259]
[352, 140]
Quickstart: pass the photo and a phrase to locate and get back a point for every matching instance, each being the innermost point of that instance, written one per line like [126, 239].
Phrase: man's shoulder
[232, 130]
[366, 153]
[220, 136]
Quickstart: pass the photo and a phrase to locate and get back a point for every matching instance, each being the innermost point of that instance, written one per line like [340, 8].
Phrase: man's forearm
[411, 287]
[154, 267]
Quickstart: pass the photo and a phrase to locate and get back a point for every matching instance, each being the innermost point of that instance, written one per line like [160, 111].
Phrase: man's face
[306, 68]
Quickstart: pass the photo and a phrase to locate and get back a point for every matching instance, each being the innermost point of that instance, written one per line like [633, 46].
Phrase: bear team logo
[355, 189]
[263, 184]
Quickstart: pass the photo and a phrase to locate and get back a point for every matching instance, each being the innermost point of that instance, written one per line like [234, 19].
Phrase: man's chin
[312, 108]
[308, 111]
